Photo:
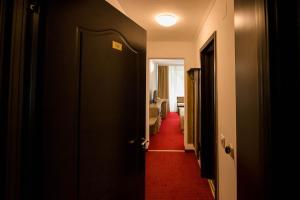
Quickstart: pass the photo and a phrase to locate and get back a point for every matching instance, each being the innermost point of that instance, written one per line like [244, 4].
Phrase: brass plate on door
[117, 45]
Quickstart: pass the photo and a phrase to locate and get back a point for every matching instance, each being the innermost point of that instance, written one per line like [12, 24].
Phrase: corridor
[172, 173]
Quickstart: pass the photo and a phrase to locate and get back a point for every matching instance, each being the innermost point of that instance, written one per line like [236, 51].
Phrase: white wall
[221, 20]
[173, 50]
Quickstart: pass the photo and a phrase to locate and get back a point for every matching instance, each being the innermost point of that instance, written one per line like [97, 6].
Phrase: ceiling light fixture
[166, 20]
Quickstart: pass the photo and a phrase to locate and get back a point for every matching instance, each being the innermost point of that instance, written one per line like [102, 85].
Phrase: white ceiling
[191, 14]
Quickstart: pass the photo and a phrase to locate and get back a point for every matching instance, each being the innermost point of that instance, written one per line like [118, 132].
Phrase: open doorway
[171, 170]
[166, 106]
[208, 114]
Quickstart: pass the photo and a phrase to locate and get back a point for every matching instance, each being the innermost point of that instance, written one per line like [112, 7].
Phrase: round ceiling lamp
[166, 20]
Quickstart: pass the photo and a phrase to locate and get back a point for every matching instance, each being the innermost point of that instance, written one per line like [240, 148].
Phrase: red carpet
[174, 176]
[169, 136]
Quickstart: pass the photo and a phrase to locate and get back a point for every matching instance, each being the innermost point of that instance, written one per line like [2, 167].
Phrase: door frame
[271, 84]
[186, 145]
[130, 38]
[6, 8]
[23, 37]
[20, 23]
[212, 40]
[14, 25]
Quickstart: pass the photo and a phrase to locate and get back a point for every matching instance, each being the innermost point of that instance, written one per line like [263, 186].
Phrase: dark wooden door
[249, 58]
[208, 111]
[7, 108]
[267, 52]
[5, 42]
[93, 103]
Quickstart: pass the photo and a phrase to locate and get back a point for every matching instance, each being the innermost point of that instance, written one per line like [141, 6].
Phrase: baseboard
[211, 184]
[189, 147]
[212, 187]
[166, 150]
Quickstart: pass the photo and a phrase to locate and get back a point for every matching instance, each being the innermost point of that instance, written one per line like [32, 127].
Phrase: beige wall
[152, 76]
[116, 4]
[221, 20]
[182, 50]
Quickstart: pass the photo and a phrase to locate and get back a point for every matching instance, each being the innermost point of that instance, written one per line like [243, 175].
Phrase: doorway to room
[208, 135]
[166, 106]
[172, 172]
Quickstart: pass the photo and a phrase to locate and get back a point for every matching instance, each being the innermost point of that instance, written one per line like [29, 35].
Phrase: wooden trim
[189, 147]
[212, 37]
[265, 92]
[15, 101]
[212, 188]
[3, 7]
[189, 129]
[211, 185]
[30, 139]
[192, 69]
[193, 78]
[5, 45]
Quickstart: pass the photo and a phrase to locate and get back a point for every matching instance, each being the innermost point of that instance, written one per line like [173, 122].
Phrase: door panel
[208, 111]
[107, 125]
[267, 57]
[93, 103]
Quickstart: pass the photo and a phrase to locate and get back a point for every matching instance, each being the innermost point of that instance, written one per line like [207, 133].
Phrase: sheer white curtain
[176, 85]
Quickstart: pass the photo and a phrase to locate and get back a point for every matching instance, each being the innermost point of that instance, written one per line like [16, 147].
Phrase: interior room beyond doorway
[166, 105]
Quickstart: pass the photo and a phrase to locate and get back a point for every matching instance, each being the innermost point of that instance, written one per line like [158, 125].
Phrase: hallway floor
[173, 175]
[169, 137]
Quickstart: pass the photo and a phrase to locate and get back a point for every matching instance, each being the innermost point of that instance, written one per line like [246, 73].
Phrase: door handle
[132, 141]
[144, 142]
[229, 150]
